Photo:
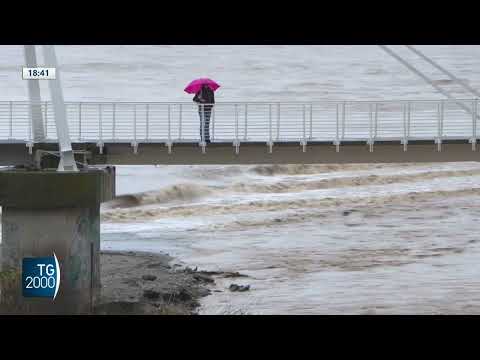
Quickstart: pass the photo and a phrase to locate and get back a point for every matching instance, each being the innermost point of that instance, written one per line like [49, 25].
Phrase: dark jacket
[205, 96]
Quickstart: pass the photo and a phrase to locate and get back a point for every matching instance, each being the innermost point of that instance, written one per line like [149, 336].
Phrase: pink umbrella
[196, 85]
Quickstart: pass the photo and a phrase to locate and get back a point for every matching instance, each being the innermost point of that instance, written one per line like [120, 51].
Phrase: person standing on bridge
[205, 98]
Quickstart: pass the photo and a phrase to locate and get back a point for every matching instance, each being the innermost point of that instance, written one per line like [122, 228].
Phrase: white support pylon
[34, 96]
[67, 159]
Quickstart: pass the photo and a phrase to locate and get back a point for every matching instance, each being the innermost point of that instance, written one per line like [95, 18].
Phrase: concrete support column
[46, 212]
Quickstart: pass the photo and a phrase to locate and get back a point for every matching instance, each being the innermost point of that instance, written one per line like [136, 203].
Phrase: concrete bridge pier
[46, 212]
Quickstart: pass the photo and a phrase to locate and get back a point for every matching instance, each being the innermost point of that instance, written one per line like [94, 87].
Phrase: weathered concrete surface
[286, 153]
[12, 154]
[257, 153]
[45, 212]
[52, 189]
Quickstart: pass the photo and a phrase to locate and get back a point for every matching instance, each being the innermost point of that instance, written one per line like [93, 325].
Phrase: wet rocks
[158, 265]
[181, 295]
[204, 292]
[349, 212]
[149, 277]
[190, 270]
[233, 287]
[131, 282]
[239, 288]
[203, 278]
[233, 275]
[151, 294]
[225, 274]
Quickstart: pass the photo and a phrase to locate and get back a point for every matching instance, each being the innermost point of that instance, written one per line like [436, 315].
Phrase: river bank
[152, 284]
[142, 283]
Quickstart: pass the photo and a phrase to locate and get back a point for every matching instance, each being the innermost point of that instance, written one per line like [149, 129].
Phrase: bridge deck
[255, 153]
[319, 132]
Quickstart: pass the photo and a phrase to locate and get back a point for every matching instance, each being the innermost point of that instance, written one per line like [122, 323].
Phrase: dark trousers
[205, 113]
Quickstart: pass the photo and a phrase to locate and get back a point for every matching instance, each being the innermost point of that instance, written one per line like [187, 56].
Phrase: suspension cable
[445, 71]
[426, 79]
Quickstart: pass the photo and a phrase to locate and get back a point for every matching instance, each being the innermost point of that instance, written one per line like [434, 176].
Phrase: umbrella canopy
[196, 85]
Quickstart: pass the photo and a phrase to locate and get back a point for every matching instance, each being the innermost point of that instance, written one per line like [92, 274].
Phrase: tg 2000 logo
[41, 277]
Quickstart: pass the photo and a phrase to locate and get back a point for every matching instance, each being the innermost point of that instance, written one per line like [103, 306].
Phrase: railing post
[442, 119]
[337, 131]
[370, 127]
[474, 124]
[202, 125]
[236, 123]
[180, 115]
[439, 115]
[304, 140]
[278, 121]
[246, 123]
[311, 121]
[147, 122]
[100, 127]
[270, 143]
[344, 106]
[135, 123]
[30, 129]
[11, 120]
[236, 142]
[440, 111]
[409, 117]
[213, 123]
[304, 123]
[80, 121]
[113, 121]
[134, 142]
[270, 122]
[376, 120]
[405, 136]
[100, 132]
[46, 119]
[169, 124]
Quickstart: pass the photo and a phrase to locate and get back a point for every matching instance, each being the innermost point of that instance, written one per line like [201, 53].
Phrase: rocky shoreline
[146, 283]
[139, 283]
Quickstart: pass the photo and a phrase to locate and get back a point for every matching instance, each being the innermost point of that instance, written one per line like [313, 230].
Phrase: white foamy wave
[185, 192]
[373, 179]
[141, 214]
[308, 169]
[180, 192]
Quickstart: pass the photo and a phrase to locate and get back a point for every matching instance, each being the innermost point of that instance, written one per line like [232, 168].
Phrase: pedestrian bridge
[120, 133]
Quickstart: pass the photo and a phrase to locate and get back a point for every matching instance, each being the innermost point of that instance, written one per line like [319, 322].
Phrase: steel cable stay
[429, 80]
[445, 71]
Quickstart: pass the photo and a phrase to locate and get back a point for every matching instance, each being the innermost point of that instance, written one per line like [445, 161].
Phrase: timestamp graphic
[39, 73]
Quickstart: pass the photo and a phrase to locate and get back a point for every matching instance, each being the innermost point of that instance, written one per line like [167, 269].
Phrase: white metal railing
[269, 122]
